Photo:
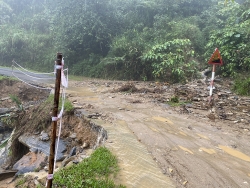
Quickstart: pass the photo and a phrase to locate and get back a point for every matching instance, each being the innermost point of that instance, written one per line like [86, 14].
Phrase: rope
[47, 88]
[24, 73]
[32, 76]
[64, 82]
[30, 71]
[60, 125]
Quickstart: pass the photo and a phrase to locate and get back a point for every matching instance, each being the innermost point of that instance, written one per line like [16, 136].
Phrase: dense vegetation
[133, 40]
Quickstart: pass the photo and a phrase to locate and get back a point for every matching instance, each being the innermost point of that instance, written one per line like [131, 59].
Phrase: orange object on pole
[214, 60]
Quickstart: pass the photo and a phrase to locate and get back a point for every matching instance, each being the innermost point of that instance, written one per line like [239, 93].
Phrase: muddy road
[159, 146]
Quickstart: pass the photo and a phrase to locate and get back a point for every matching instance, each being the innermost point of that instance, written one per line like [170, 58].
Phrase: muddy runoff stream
[159, 147]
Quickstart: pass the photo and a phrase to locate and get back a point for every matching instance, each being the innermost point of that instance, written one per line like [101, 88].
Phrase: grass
[68, 106]
[174, 101]
[7, 78]
[94, 172]
[4, 143]
[21, 181]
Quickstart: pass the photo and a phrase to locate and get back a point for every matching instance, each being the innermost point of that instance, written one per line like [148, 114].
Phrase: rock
[4, 129]
[34, 142]
[72, 152]
[68, 160]
[85, 145]
[4, 111]
[94, 116]
[184, 183]
[81, 112]
[73, 136]
[44, 136]
[5, 98]
[29, 162]
[46, 168]
[211, 116]
[7, 174]
[170, 170]
[34, 150]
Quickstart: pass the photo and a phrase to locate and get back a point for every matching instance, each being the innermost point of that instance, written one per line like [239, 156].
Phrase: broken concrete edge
[7, 174]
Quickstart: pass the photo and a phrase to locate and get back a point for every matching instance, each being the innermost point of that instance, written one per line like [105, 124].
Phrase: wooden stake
[54, 123]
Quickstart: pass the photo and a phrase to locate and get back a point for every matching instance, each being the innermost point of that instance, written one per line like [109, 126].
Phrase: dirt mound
[36, 118]
[23, 93]
[131, 88]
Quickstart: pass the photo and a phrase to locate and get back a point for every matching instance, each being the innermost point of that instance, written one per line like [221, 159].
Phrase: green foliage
[172, 61]
[7, 119]
[91, 172]
[124, 58]
[4, 143]
[21, 181]
[232, 39]
[5, 12]
[68, 106]
[242, 86]
[6, 78]
[17, 101]
[109, 39]
[174, 101]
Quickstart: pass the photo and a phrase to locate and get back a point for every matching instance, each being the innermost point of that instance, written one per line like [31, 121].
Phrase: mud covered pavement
[192, 145]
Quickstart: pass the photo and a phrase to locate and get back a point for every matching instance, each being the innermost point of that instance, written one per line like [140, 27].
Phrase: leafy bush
[242, 86]
[232, 38]
[172, 60]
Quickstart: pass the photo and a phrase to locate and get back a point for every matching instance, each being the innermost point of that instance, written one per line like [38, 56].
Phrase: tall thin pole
[212, 83]
[54, 122]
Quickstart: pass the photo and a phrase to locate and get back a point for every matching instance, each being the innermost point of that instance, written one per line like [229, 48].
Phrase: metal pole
[212, 83]
[54, 123]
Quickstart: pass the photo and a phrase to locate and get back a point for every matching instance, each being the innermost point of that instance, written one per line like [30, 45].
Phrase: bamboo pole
[54, 123]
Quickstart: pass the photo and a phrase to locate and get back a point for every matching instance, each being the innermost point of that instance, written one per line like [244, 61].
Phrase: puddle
[163, 120]
[235, 153]
[138, 169]
[202, 136]
[187, 150]
[209, 151]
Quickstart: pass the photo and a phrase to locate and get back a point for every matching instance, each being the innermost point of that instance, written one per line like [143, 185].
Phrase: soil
[195, 144]
[198, 144]
[35, 117]
[24, 93]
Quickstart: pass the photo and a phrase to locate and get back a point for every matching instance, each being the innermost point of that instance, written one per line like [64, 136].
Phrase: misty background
[168, 40]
